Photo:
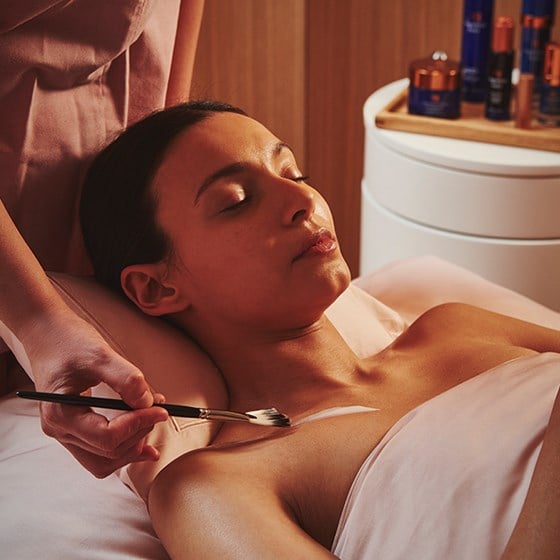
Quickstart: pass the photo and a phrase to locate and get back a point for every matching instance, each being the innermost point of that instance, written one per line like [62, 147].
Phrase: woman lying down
[428, 449]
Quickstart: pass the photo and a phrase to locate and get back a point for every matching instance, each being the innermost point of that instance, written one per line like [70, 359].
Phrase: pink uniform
[73, 73]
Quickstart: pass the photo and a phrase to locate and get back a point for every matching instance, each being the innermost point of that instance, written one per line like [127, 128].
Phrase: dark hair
[117, 206]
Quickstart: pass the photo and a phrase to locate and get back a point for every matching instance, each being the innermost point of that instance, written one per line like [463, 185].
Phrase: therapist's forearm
[184, 51]
[25, 290]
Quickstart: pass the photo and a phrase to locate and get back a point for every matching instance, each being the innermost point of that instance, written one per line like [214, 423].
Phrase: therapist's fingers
[110, 449]
[101, 442]
[128, 381]
[102, 467]
[86, 360]
[98, 434]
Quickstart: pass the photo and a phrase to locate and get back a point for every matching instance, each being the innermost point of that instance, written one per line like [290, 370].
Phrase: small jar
[549, 103]
[435, 87]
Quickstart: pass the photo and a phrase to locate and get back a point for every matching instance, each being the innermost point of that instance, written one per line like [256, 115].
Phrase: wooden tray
[471, 126]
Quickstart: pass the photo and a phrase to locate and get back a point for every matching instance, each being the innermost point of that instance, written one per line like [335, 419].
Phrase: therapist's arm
[184, 51]
[68, 355]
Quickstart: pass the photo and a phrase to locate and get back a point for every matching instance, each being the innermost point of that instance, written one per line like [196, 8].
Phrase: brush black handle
[102, 402]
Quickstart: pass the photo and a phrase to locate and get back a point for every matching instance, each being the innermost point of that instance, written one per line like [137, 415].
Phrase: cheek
[222, 262]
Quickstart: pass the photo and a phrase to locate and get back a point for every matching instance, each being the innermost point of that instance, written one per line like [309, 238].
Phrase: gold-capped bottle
[435, 87]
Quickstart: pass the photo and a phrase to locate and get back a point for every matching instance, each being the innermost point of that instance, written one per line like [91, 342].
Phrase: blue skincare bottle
[549, 103]
[477, 22]
[500, 66]
[537, 17]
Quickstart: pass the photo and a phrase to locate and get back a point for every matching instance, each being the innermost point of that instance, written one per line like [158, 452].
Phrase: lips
[321, 242]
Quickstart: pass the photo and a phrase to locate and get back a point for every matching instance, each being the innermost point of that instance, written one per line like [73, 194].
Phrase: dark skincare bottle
[477, 23]
[500, 66]
[537, 17]
[549, 103]
[435, 87]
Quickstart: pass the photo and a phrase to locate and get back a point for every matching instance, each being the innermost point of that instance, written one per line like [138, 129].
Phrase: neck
[289, 370]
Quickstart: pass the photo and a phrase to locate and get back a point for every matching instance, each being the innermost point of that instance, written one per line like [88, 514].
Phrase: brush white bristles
[268, 417]
[264, 417]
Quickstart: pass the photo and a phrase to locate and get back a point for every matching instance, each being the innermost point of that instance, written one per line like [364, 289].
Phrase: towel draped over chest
[449, 479]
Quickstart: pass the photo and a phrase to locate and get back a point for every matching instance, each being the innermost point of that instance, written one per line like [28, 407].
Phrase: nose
[299, 202]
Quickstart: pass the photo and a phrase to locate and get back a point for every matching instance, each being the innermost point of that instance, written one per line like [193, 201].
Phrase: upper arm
[524, 334]
[203, 507]
[537, 531]
[467, 321]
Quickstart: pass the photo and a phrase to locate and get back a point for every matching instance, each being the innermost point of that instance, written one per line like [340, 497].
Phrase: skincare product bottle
[537, 17]
[500, 66]
[477, 22]
[435, 87]
[549, 104]
[524, 101]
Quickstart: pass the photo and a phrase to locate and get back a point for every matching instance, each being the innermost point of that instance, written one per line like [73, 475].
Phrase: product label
[471, 74]
[434, 103]
[474, 50]
[473, 26]
[532, 50]
[497, 88]
[550, 100]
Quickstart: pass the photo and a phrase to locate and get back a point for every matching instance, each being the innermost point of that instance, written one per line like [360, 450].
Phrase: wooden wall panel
[306, 67]
[251, 53]
[355, 47]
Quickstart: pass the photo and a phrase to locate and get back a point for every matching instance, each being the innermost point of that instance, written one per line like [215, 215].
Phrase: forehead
[219, 140]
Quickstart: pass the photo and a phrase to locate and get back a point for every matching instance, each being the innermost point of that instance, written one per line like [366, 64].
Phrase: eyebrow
[233, 169]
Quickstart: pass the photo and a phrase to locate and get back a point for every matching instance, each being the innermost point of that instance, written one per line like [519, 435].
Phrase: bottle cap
[478, 9]
[502, 34]
[435, 72]
[540, 8]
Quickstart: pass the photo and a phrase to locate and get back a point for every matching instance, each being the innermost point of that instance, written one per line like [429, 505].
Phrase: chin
[341, 271]
[343, 280]
[336, 281]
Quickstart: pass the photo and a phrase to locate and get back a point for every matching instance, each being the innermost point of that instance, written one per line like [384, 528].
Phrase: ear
[146, 286]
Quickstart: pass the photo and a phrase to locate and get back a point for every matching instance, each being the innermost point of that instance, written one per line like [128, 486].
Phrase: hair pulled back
[117, 206]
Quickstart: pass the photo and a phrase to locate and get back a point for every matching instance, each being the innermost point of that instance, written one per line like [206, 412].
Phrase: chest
[318, 462]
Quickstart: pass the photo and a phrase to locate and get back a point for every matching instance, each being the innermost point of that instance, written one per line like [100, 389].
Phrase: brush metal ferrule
[224, 415]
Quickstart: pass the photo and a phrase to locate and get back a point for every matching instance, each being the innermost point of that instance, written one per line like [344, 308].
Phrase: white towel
[449, 479]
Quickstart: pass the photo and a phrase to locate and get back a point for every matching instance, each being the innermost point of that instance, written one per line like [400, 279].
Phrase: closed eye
[236, 205]
[300, 179]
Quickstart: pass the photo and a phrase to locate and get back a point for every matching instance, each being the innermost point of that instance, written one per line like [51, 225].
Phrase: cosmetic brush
[264, 417]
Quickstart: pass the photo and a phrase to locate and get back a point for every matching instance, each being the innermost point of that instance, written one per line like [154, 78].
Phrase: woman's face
[252, 241]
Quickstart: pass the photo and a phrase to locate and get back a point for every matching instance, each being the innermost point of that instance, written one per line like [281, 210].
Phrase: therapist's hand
[67, 355]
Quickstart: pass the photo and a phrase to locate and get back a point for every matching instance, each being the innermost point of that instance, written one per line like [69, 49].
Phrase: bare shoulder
[203, 476]
[453, 311]
[452, 319]
[461, 320]
[211, 503]
[198, 473]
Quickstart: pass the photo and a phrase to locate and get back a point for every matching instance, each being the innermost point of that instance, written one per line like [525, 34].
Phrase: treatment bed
[51, 508]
